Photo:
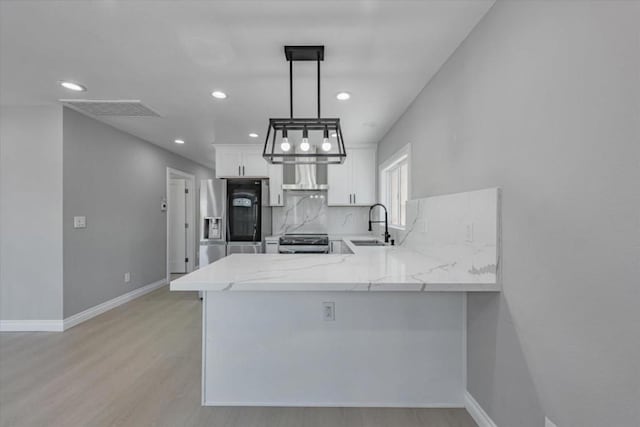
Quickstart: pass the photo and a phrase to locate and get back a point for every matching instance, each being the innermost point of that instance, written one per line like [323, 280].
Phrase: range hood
[304, 176]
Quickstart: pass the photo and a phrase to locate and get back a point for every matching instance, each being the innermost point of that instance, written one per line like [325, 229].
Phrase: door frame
[191, 232]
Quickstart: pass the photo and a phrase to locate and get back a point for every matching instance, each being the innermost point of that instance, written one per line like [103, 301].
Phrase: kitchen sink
[368, 243]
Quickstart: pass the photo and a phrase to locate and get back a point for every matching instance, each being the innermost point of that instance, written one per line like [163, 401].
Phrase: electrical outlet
[469, 232]
[127, 277]
[79, 222]
[548, 423]
[329, 311]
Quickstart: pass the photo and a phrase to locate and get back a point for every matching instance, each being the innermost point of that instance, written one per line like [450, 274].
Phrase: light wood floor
[139, 365]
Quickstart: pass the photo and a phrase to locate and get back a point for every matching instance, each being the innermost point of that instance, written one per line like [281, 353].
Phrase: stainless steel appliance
[249, 218]
[213, 241]
[316, 243]
[304, 176]
[244, 248]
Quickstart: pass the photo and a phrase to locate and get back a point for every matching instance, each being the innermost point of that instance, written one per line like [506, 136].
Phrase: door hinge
[186, 260]
[186, 191]
[186, 225]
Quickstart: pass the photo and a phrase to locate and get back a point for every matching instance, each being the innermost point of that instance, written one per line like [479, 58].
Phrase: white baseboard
[76, 319]
[31, 326]
[477, 413]
[94, 311]
[314, 404]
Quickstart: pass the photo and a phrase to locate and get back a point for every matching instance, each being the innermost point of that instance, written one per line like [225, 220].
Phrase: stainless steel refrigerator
[213, 221]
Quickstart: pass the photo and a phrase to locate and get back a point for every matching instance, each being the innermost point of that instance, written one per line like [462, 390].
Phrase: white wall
[31, 213]
[543, 100]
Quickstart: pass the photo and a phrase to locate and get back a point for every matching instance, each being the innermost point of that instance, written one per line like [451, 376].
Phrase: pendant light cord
[291, 88]
[318, 61]
[291, 85]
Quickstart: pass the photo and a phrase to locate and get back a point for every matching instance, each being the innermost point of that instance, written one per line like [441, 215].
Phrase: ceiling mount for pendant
[319, 149]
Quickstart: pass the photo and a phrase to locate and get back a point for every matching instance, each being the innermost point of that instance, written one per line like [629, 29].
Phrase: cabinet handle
[239, 173]
[242, 170]
[354, 198]
[278, 199]
[350, 196]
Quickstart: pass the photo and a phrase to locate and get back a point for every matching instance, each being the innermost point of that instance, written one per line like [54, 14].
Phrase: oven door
[303, 249]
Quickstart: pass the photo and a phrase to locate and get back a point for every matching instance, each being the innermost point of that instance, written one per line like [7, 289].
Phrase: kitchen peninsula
[384, 326]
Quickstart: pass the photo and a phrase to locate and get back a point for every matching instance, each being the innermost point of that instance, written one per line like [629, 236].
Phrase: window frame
[384, 172]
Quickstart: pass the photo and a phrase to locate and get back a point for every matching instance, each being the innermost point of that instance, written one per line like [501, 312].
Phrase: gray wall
[31, 213]
[543, 100]
[117, 181]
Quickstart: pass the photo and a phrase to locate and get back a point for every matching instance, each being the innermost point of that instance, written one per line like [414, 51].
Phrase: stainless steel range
[304, 244]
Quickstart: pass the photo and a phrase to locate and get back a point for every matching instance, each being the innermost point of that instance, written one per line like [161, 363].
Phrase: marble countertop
[378, 268]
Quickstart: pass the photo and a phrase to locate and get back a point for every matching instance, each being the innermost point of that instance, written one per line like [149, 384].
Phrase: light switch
[79, 222]
[469, 232]
[329, 311]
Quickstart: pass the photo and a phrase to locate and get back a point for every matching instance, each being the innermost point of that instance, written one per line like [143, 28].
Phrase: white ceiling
[172, 54]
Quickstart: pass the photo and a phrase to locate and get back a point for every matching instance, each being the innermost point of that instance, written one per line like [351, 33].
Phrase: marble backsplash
[462, 229]
[307, 212]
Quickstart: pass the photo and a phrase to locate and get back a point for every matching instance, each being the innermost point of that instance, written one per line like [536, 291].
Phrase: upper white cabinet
[254, 165]
[353, 183]
[233, 161]
[276, 195]
[339, 180]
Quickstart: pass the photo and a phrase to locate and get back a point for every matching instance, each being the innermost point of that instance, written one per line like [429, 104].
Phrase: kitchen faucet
[386, 224]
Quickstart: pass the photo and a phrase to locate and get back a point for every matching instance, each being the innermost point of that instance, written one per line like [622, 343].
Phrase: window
[394, 186]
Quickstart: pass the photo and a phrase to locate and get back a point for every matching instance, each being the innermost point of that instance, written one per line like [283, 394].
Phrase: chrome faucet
[386, 224]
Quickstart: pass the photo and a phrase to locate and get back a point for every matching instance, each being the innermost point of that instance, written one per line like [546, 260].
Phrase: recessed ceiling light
[343, 96]
[73, 86]
[219, 94]
[179, 141]
[253, 135]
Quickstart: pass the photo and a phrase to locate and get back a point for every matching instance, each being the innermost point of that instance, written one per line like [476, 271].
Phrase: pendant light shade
[315, 146]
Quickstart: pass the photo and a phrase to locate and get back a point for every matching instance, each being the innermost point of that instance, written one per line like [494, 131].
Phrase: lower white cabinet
[271, 247]
[353, 183]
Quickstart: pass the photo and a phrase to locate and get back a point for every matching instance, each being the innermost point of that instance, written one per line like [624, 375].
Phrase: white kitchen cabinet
[237, 161]
[339, 180]
[353, 183]
[363, 181]
[276, 195]
[228, 163]
[253, 164]
[271, 247]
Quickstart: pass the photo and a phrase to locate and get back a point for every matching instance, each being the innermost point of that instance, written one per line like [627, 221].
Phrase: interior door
[177, 211]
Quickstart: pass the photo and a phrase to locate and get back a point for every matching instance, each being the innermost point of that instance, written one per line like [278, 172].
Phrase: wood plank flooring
[139, 365]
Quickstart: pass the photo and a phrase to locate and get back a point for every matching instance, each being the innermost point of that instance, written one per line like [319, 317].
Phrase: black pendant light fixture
[325, 146]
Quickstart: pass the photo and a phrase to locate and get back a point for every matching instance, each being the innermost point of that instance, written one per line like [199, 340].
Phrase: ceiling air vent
[110, 108]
